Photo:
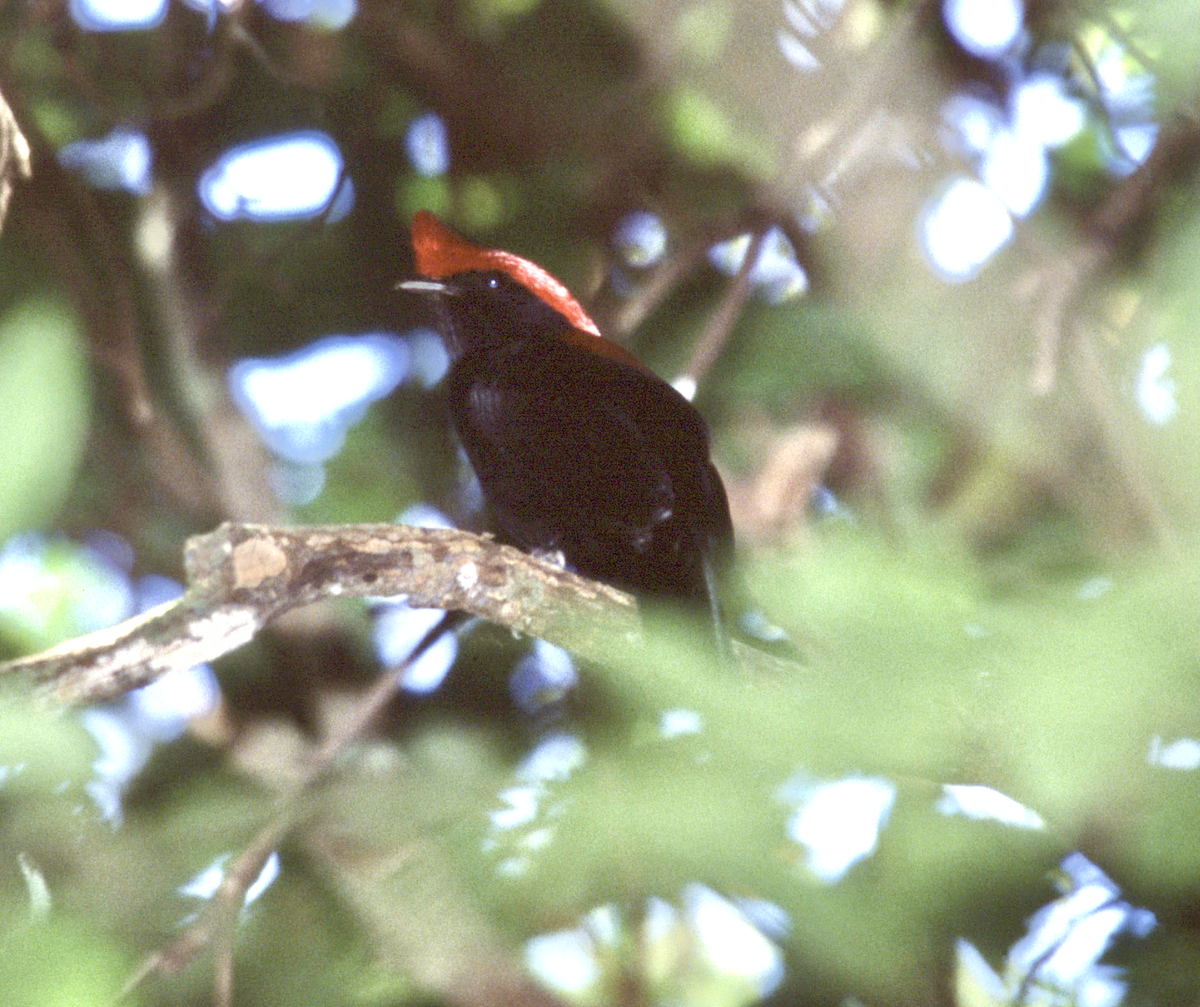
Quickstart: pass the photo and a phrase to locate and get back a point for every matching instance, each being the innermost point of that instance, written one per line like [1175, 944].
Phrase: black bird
[579, 448]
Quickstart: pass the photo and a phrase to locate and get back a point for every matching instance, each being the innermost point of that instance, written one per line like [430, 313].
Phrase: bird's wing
[545, 454]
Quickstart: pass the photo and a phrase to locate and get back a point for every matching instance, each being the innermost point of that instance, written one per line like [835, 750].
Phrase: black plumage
[577, 451]
[579, 448]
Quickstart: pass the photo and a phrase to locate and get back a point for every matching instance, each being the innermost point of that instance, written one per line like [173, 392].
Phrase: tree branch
[241, 576]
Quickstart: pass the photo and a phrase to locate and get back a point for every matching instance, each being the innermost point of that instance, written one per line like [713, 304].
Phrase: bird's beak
[435, 287]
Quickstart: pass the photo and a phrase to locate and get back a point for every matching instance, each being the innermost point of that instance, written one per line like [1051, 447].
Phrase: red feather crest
[441, 253]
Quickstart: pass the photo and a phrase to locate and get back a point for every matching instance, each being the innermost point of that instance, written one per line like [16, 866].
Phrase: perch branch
[241, 576]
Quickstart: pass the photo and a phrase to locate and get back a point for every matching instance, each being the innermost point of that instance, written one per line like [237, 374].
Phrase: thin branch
[1122, 37]
[722, 321]
[1061, 281]
[217, 923]
[14, 157]
[64, 222]
[242, 576]
[659, 285]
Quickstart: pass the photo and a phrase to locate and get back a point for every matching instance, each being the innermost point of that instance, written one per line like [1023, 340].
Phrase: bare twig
[1058, 285]
[823, 155]
[242, 576]
[722, 321]
[14, 157]
[658, 286]
[1061, 281]
[217, 924]
[62, 220]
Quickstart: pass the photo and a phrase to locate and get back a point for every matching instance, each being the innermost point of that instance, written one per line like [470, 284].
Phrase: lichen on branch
[241, 576]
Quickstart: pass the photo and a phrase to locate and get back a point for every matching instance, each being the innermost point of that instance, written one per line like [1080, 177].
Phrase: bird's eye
[493, 283]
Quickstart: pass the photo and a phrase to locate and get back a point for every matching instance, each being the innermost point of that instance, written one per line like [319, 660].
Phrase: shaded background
[950, 391]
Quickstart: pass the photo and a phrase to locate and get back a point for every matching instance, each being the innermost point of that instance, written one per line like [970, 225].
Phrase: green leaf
[45, 406]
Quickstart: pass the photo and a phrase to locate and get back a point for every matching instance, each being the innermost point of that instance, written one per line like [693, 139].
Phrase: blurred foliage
[40, 340]
[1005, 594]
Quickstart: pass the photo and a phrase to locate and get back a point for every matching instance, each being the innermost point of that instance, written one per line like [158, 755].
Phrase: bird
[581, 451]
